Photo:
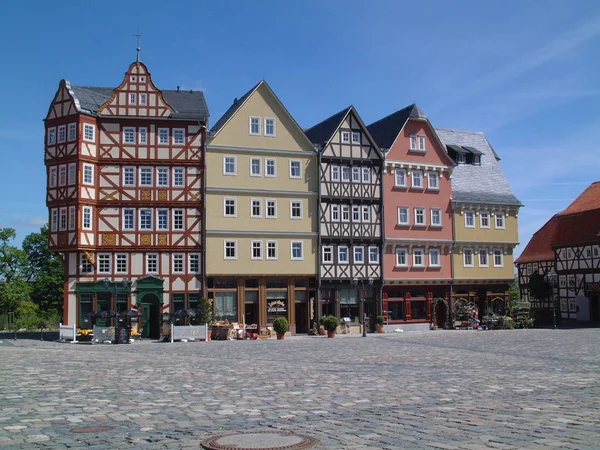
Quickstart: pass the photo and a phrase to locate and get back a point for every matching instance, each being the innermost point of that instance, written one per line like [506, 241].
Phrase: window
[72, 133]
[356, 174]
[417, 179]
[145, 176]
[230, 249]
[72, 173]
[476, 160]
[178, 219]
[163, 176]
[296, 209]
[345, 137]
[104, 263]
[133, 78]
[54, 220]
[421, 140]
[366, 213]
[418, 257]
[484, 219]
[335, 213]
[178, 136]
[327, 255]
[413, 141]
[483, 257]
[128, 219]
[343, 254]
[178, 176]
[151, 263]
[89, 132]
[295, 170]
[461, 158]
[436, 217]
[272, 250]
[420, 217]
[366, 174]
[335, 173]
[143, 135]
[178, 262]
[469, 219]
[500, 220]
[297, 250]
[271, 209]
[62, 175]
[498, 257]
[72, 217]
[194, 263]
[468, 257]
[88, 174]
[269, 126]
[434, 257]
[270, 168]
[355, 138]
[254, 126]
[403, 215]
[373, 255]
[229, 165]
[62, 133]
[51, 135]
[401, 259]
[163, 136]
[143, 99]
[86, 265]
[145, 219]
[230, 207]
[417, 142]
[359, 256]
[132, 98]
[121, 263]
[86, 223]
[142, 79]
[162, 219]
[63, 219]
[345, 173]
[255, 167]
[355, 213]
[129, 135]
[256, 250]
[400, 180]
[345, 213]
[432, 180]
[256, 208]
[52, 180]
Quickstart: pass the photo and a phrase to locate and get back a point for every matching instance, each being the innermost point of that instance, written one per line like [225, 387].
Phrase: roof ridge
[390, 115]
[462, 131]
[330, 117]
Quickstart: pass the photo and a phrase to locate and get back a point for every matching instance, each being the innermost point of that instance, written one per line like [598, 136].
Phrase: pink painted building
[418, 218]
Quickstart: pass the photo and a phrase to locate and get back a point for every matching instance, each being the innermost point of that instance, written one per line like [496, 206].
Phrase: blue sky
[525, 73]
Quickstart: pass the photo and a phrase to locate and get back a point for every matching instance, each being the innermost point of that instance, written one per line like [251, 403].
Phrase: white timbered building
[350, 217]
[125, 170]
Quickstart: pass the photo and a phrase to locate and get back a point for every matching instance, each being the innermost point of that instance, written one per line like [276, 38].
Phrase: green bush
[330, 323]
[280, 325]
[379, 320]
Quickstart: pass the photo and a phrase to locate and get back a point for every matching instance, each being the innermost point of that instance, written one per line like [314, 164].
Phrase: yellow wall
[477, 273]
[510, 233]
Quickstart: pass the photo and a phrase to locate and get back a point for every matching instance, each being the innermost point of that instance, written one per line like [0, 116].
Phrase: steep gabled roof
[322, 132]
[587, 201]
[578, 228]
[237, 104]
[539, 247]
[483, 183]
[385, 130]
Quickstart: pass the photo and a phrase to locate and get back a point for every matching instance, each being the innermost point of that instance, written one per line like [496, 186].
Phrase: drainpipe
[451, 302]
[203, 134]
[318, 293]
[382, 236]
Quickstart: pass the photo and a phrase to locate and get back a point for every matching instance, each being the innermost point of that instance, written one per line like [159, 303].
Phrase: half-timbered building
[261, 199]
[125, 173]
[485, 217]
[350, 217]
[418, 216]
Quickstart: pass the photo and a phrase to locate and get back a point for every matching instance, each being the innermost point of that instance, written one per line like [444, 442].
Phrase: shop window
[418, 310]
[349, 304]
[251, 297]
[86, 306]
[276, 305]
[300, 296]
[226, 306]
[225, 283]
[395, 310]
[301, 282]
[251, 283]
[177, 302]
[277, 283]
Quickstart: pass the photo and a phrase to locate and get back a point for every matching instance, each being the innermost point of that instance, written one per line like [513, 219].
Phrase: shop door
[301, 317]
[150, 317]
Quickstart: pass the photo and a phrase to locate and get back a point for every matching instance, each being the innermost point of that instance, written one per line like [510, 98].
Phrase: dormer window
[476, 160]
[345, 137]
[417, 143]
[142, 79]
[461, 158]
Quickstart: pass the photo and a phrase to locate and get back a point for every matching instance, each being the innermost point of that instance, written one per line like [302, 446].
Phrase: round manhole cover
[259, 440]
[91, 429]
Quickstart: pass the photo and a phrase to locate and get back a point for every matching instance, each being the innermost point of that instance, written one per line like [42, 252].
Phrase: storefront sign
[592, 287]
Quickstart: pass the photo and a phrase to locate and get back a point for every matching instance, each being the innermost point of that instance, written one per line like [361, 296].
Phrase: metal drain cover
[98, 429]
[259, 440]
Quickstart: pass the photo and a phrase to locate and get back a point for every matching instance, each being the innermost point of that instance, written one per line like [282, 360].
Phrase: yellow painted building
[261, 214]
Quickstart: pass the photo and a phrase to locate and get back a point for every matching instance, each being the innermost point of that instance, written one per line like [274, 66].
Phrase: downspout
[450, 300]
[318, 293]
[382, 236]
[203, 196]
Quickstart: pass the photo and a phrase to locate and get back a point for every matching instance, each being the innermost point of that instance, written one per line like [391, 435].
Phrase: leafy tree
[205, 312]
[538, 286]
[13, 262]
[514, 291]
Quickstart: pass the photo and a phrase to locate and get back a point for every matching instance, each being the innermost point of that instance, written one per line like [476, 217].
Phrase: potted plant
[330, 323]
[379, 320]
[281, 326]
[321, 326]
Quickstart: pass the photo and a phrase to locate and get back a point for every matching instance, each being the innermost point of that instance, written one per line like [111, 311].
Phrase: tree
[538, 286]
[205, 312]
[13, 262]
[514, 291]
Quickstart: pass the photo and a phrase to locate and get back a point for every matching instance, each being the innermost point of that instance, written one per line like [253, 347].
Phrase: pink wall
[396, 196]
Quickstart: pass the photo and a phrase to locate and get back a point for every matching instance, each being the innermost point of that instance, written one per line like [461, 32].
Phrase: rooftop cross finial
[138, 36]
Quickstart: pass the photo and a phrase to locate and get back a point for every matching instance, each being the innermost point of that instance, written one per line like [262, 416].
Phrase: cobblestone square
[439, 389]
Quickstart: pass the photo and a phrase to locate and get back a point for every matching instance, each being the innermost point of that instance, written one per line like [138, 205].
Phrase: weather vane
[138, 36]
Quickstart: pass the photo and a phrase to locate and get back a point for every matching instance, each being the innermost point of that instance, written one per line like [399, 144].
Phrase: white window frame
[162, 172]
[72, 132]
[132, 98]
[89, 182]
[345, 174]
[146, 170]
[498, 252]
[292, 202]
[155, 260]
[472, 254]
[194, 260]
[371, 253]
[356, 176]
[432, 222]
[297, 258]
[72, 174]
[176, 171]
[63, 219]
[402, 173]
[485, 214]
[52, 136]
[434, 251]
[275, 247]
[461, 158]
[259, 173]
[178, 136]
[143, 99]
[274, 206]
[335, 173]
[258, 202]
[266, 127]
[72, 218]
[327, 250]
[413, 142]
[257, 133]
[345, 137]
[416, 252]
[401, 252]
[124, 226]
[366, 174]
[53, 176]
[292, 163]
[503, 220]
[357, 136]
[142, 135]
[163, 136]
[120, 260]
[366, 213]
[421, 142]
[86, 266]
[433, 186]
[225, 172]
[128, 135]
[61, 134]
[146, 212]
[225, 213]
[62, 175]
[178, 212]
[467, 215]
[181, 262]
[346, 212]
[423, 212]
[89, 130]
[413, 178]
[235, 256]
[358, 250]
[162, 219]
[335, 211]
[486, 252]
[87, 210]
[267, 161]
[102, 259]
[256, 245]
[404, 209]
[54, 219]
[339, 252]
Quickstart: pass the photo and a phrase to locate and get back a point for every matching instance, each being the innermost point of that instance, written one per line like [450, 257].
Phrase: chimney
[177, 88]
[235, 100]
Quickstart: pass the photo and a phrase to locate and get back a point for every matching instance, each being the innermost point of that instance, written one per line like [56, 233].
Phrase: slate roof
[322, 132]
[483, 183]
[185, 103]
[385, 130]
[539, 247]
[587, 201]
[232, 109]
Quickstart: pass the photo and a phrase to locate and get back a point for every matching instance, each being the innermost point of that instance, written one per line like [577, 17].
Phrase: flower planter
[331, 334]
[280, 336]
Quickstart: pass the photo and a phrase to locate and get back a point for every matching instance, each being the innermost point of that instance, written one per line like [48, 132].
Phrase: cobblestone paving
[440, 389]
